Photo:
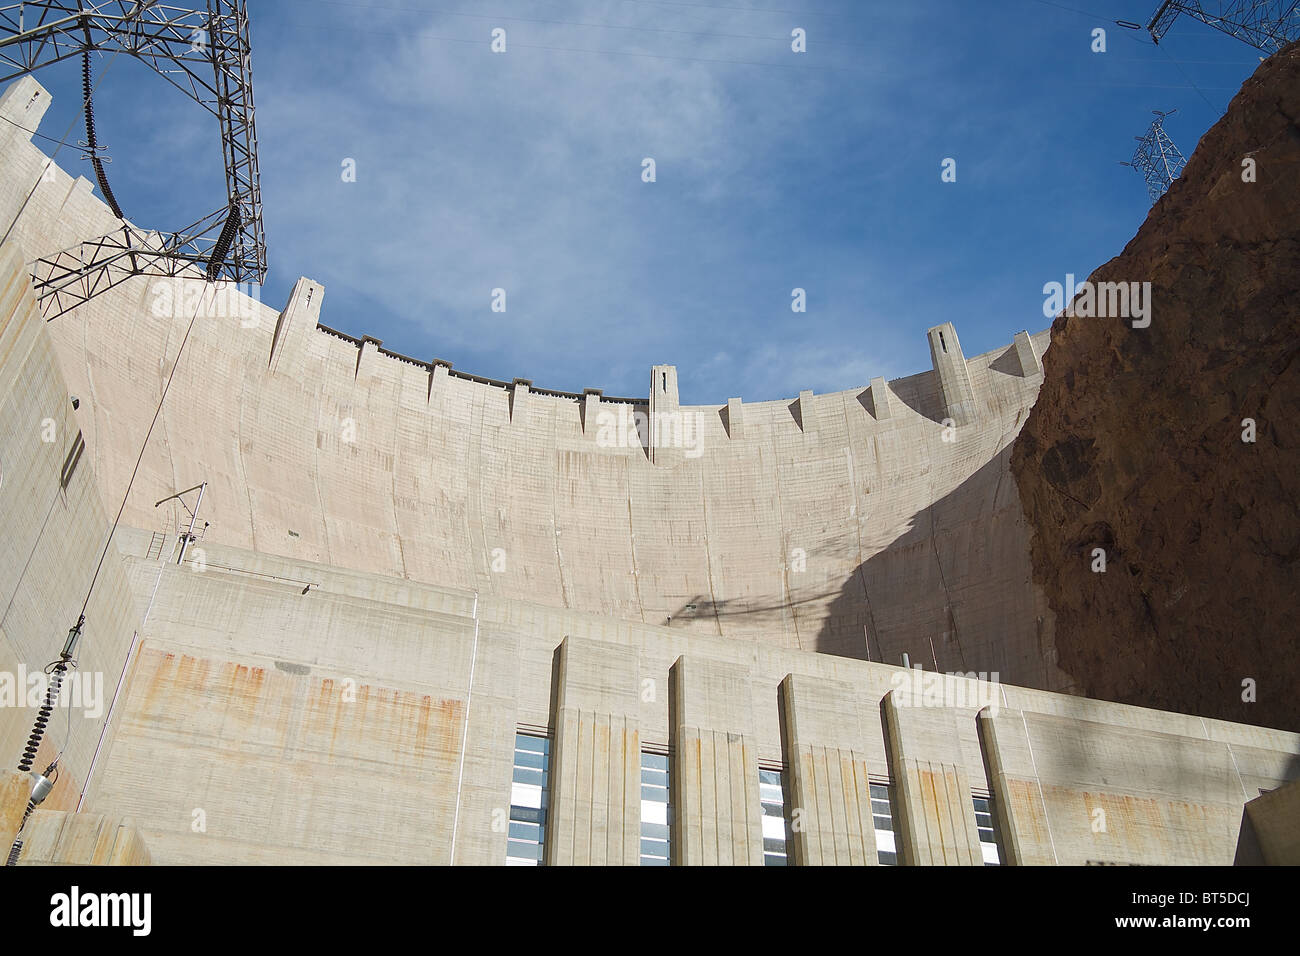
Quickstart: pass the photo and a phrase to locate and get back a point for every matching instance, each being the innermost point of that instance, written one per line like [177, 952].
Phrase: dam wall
[867, 523]
[371, 720]
[400, 570]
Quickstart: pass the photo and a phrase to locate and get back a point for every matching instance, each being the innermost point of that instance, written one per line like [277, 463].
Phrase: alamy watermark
[180, 297]
[1101, 300]
[82, 689]
[631, 428]
[918, 687]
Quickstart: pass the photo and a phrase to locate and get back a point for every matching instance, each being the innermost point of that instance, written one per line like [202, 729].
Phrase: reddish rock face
[1135, 444]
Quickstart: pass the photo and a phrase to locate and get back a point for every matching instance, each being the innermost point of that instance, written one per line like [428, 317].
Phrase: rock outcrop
[1140, 443]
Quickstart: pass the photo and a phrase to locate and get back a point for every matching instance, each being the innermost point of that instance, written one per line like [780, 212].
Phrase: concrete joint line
[1240, 781]
[1041, 798]
[108, 718]
[464, 737]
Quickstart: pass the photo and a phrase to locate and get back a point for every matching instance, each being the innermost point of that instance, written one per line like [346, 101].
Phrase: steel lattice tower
[1157, 158]
[204, 51]
[1267, 25]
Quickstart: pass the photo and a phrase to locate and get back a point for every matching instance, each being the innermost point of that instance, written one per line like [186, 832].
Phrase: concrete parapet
[806, 412]
[1027, 355]
[294, 327]
[954, 377]
[519, 402]
[439, 377]
[735, 418]
[717, 812]
[57, 837]
[933, 797]
[369, 358]
[880, 400]
[590, 409]
[23, 104]
[664, 410]
[595, 812]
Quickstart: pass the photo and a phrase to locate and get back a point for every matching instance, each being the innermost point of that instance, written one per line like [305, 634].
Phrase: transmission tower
[1267, 25]
[1157, 158]
[206, 54]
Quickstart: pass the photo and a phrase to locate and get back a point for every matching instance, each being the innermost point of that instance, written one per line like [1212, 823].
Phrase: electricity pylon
[1157, 158]
[206, 54]
[1267, 25]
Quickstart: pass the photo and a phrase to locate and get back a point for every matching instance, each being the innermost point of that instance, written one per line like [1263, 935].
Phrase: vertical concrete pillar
[717, 816]
[1027, 355]
[23, 104]
[1274, 819]
[880, 400]
[936, 813]
[595, 812]
[519, 402]
[735, 418]
[832, 750]
[958, 395]
[1022, 819]
[807, 414]
[368, 358]
[665, 426]
[295, 326]
[591, 410]
[439, 373]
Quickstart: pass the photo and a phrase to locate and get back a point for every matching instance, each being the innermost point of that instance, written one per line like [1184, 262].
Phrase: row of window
[528, 796]
[656, 813]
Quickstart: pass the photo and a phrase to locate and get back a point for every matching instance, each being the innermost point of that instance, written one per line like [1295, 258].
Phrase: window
[656, 814]
[528, 800]
[988, 831]
[771, 797]
[882, 819]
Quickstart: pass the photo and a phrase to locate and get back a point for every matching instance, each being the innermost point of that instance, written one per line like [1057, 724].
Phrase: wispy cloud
[775, 170]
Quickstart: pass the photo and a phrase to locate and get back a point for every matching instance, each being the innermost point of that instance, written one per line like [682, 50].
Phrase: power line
[30, 132]
[84, 105]
[143, 446]
[1127, 25]
[1179, 68]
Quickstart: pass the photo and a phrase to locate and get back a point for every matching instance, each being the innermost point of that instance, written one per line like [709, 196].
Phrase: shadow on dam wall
[954, 588]
[954, 591]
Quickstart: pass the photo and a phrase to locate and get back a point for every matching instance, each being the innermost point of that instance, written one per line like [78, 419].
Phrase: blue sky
[775, 170]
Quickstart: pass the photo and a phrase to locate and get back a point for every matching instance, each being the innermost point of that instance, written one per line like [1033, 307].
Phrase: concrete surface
[404, 567]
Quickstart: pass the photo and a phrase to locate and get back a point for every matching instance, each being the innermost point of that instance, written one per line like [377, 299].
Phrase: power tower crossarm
[65, 279]
[205, 53]
[1267, 25]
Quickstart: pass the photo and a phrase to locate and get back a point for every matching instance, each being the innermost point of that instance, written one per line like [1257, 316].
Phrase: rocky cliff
[1175, 448]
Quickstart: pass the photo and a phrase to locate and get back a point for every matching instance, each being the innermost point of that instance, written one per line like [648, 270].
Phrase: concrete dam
[543, 616]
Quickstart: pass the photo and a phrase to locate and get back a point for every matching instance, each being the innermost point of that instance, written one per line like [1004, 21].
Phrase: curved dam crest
[866, 523]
